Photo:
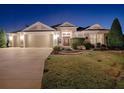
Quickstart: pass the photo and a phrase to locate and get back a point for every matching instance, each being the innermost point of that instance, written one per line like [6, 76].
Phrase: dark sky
[15, 17]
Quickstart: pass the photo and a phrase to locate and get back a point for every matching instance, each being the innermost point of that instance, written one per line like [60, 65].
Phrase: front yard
[91, 69]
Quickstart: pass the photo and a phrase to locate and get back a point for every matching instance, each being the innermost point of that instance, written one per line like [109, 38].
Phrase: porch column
[10, 40]
[24, 41]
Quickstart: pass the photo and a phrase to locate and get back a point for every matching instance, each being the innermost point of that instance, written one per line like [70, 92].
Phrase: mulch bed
[73, 52]
[70, 52]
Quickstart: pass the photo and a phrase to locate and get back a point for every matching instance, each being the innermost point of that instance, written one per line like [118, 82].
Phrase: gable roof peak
[67, 24]
[96, 26]
[38, 26]
[38, 22]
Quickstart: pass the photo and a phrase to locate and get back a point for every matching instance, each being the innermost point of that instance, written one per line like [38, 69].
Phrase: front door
[66, 41]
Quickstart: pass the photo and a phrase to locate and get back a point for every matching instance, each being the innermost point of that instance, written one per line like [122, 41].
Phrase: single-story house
[42, 35]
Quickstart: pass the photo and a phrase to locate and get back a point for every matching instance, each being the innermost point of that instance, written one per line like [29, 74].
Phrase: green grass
[92, 69]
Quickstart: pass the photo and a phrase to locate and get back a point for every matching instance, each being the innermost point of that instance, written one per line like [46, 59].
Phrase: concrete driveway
[22, 67]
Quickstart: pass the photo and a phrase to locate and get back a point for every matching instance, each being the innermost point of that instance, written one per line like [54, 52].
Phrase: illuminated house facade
[41, 35]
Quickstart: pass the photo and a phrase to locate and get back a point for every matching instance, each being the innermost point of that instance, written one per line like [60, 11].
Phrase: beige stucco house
[41, 35]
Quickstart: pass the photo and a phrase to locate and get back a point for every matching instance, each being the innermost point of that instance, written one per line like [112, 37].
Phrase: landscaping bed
[72, 52]
[90, 69]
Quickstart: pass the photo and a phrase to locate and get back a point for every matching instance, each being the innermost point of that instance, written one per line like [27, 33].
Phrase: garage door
[38, 40]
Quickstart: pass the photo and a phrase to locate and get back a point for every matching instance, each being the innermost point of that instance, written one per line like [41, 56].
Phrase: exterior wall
[93, 36]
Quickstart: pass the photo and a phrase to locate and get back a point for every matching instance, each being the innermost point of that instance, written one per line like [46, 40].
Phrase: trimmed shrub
[75, 42]
[56, 49]
[74, 45]
[88, 45]
[103, 47]
[98, 45]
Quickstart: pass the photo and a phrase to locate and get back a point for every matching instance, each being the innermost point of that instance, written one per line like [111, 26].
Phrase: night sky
[16, 17]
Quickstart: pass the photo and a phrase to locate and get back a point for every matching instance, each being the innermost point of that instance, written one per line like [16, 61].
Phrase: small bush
[74, 45]
[116, 48]
[48, 58]
[103, 47]
[98, 45]
[46, 70]
[56, 49]
[88, 46]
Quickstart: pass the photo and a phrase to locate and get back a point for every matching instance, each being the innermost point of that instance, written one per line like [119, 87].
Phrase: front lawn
[91, 69]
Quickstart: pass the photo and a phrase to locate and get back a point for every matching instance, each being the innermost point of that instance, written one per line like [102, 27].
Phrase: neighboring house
[41, 35]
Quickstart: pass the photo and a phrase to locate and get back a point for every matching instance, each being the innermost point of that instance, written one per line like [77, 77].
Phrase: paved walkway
[22, 67]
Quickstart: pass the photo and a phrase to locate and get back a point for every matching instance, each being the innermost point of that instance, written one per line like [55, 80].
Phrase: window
[66, 34]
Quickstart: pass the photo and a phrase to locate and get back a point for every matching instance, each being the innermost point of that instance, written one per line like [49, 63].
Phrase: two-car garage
[36, 35]
[32, 39]
[39, 39]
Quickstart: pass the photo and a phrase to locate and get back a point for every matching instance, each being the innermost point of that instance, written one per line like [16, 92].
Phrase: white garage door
[38, 40]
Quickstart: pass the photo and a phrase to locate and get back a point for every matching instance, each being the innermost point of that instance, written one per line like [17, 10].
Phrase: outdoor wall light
[10, 38]
[56, 36]
[22, 37]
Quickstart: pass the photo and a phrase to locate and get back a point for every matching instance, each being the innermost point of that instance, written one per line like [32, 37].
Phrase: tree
[3, 40]
[115, 36]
